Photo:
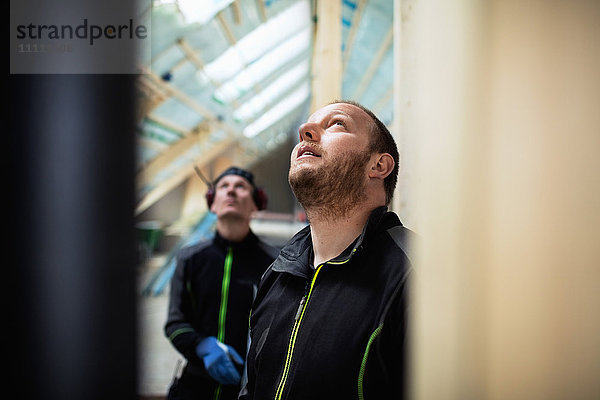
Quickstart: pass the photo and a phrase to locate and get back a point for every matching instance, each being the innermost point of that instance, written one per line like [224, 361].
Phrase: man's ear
[382, 165]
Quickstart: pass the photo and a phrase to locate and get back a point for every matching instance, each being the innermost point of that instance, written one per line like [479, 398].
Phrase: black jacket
[337, 331]
[196, 296]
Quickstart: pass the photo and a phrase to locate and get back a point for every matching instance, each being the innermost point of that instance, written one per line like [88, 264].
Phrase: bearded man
[329, 319]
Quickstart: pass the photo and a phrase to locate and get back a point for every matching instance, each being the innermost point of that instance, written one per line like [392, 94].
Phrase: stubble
[333, 190]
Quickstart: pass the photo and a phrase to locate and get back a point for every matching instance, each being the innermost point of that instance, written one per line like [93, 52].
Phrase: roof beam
[147, 174]
[368, 76]
[152, 97]
[179, 130]
[194, 58]
[226, 29]
[180, 96]
[180, 175]
[190, 53]
[233, 41]
[237, 12]
[352, 34]
[262, 11]
[327, 57]
[152, 144]
[191, 103]
[180, 63]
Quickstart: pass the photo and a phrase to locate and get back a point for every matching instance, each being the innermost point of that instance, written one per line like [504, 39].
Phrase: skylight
[266, 97]
[280, 110]
[267, 35]
[201, 11]
[261, 52]
[263, 67]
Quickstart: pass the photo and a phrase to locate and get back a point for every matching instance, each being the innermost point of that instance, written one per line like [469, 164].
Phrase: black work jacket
[336, 331]
[197, 286]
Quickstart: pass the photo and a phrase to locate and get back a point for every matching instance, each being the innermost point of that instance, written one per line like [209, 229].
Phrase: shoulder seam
[402, 237]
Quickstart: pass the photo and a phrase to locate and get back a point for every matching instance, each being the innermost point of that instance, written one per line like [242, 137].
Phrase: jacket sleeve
[178, 328]
[392, 349]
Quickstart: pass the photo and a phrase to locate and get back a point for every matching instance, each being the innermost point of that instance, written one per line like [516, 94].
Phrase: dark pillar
[72, 271]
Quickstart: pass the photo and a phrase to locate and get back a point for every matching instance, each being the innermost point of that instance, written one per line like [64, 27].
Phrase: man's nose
[309, 132]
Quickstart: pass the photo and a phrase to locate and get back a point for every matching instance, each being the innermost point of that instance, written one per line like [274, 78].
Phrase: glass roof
[232, 78]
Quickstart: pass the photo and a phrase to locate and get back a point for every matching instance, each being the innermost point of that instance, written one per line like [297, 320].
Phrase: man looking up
[329, 320]
[212, 291]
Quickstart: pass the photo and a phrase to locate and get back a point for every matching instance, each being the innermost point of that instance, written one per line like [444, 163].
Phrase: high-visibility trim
[179, 331]
[223, 307]
[217, 395]
[224, 294]
[296, 327]
[363, 364]
[292, 343]
[343, 261]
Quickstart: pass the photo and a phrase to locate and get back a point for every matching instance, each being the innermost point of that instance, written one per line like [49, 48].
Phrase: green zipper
[223, 308]
[225, 294]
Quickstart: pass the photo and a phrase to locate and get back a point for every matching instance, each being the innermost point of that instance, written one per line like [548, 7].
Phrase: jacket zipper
[297, 320]
[223, 307]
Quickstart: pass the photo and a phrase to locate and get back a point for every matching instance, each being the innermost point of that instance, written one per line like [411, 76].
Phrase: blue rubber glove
[218, 358]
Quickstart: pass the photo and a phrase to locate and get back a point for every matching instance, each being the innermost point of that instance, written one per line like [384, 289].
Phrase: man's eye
[338, 122]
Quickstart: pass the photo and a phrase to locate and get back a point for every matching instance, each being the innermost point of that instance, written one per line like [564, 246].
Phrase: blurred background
[494, 106]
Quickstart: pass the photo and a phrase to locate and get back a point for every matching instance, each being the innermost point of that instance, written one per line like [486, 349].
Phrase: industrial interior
[482, 98]
[494, 109]
[229, 83]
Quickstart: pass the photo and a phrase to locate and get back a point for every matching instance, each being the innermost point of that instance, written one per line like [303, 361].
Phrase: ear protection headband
[258, 194]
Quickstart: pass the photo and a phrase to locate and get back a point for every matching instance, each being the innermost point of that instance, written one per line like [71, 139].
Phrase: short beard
[334, 190]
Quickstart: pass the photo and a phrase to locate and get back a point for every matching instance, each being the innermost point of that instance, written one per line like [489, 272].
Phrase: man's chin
[299, 178]
[300, 169]
[230, 213]
[300, 165]
[306, 183]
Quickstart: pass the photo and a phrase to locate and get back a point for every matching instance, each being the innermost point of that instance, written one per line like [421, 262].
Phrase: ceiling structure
[233, 80]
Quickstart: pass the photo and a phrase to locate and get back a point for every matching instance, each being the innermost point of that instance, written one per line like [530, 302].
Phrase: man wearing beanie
[212, 291]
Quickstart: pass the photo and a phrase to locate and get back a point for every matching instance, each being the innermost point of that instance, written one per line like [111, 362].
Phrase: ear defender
[260, 199]
[210, 197]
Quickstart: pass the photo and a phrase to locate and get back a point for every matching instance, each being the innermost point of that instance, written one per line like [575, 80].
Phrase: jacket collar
[295, 257]
[248, 241]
